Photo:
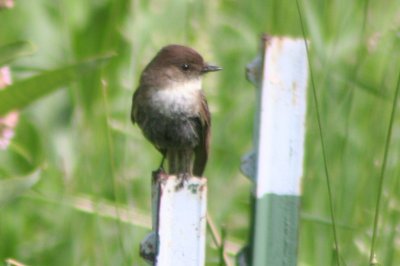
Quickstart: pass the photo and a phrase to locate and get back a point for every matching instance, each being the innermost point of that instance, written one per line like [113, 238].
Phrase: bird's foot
[159, 173]
[182, 178]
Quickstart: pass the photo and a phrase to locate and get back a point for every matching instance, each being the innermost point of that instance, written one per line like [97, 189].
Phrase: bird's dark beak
[210, 68]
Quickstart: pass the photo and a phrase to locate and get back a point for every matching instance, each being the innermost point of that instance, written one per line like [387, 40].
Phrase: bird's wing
[134, 112]
[201, 151]
[133, 109]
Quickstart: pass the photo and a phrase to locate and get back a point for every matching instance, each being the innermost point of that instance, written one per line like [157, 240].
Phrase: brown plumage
[170, 108]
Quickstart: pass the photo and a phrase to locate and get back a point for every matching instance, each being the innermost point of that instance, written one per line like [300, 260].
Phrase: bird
[170, 108]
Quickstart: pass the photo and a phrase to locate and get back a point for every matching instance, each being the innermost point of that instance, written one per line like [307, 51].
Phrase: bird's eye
[185, 67]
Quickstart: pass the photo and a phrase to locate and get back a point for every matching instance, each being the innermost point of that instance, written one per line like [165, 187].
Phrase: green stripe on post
[277, 243]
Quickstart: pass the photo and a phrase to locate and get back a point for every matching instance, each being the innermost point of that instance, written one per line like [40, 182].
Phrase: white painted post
[278, 162]
[179, 221]
[182, 222]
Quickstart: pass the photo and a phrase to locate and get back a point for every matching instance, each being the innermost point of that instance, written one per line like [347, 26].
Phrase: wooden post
[179, 221]
[277, 164]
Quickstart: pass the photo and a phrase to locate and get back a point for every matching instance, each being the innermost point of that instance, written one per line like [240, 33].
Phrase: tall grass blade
[328, 181]
[23, 93]
[15, 50]
[382, 174]
[11, 188]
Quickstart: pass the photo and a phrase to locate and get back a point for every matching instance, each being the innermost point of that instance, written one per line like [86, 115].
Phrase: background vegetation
[75, 153]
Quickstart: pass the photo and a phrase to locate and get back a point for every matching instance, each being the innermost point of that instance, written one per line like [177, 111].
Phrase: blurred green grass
[82, 140]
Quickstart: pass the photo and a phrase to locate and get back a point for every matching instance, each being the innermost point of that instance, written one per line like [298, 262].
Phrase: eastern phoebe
[170, 107]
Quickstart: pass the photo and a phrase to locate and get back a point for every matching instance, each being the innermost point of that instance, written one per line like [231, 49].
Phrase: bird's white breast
[178, 97]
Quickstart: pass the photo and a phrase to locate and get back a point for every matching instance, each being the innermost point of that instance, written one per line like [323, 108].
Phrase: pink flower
[5, 76]
[6, 4]
[10, 120]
